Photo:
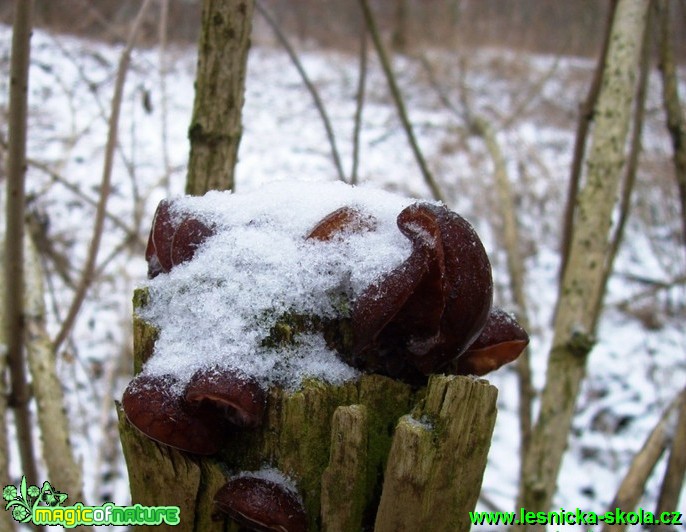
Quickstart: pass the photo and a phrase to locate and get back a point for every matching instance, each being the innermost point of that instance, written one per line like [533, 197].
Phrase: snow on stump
[307, 358]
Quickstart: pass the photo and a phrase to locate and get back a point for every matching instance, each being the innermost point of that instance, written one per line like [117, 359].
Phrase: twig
[531, 95]
[489, 503]
[306, 80]
[164, 104]
[102, 111]
[397, 98]
[14, 236]
[89, 268]
[515, 266]
[440, 91]
[359, 103]
[510, 236]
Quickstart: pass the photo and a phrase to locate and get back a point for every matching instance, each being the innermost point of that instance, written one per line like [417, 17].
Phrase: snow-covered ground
[639, 363]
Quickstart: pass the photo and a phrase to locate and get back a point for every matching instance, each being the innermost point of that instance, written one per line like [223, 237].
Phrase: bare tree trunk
[673, 110]
[585, 118]
[6, 521]
[216, 129]
[14, 236]
[581, 288]
[635, 148]
[164, 99]
[62, 468]
[673, 481]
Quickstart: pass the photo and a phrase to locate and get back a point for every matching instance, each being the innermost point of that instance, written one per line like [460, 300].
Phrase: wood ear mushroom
[238, 398]
[197, 421]
[261, 505]
[173, 241]
[342, 221]
[501, 341]
[151, 406]
[427, 311]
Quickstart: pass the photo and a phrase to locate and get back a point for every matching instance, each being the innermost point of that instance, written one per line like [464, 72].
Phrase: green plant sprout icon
[23, 500]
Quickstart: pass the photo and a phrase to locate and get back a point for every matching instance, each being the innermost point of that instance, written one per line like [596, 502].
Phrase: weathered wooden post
[367, 455]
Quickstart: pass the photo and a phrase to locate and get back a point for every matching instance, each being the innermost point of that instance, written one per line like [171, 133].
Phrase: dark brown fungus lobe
[261, 504]
[173, 240]
[153, 407]
[427, 311]
[189, 234]
[237, 397]
[501, 341]
[158, 252]
[341, 221]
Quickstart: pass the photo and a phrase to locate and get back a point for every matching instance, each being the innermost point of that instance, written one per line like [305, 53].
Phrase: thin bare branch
[510, 236]
[89, 268]
[673, 481]
[440, 91]
[74, 189]
[633, 484]
[164, 103]
[359, 103]
[281, 36]
[511, 242]
[398, 100]
[532, 94]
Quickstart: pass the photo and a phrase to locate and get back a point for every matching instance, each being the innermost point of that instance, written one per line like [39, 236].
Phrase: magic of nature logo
[44, 506]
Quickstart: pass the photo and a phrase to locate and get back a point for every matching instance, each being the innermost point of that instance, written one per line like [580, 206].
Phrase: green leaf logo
[18, 501]
[22, 501]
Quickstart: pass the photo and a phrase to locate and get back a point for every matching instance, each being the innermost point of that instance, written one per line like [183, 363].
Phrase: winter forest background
[495, 92]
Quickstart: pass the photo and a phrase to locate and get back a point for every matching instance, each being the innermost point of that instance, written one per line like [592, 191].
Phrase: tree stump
[375, 454]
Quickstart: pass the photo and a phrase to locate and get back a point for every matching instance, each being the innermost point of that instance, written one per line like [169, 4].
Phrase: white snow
[275, 476]
[258, 267]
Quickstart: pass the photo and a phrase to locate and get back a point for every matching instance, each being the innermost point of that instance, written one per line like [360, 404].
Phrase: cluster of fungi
[431, 314]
